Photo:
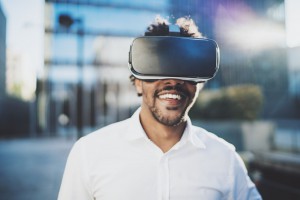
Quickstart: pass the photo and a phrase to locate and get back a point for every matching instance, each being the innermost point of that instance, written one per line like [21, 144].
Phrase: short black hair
[160, 27]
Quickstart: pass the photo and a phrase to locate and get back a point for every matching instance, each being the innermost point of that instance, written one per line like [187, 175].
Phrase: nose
[173, 82]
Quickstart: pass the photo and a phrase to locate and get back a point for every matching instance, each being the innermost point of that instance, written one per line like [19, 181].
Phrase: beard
[165, 120]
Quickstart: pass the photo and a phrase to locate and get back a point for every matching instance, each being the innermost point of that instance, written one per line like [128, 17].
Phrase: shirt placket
[164, 178]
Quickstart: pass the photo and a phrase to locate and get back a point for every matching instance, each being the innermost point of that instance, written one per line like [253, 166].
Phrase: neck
[165, 137]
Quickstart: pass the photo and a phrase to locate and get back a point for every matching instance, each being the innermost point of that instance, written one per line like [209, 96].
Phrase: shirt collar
[135, 127]
[137, 132]
[192, 135]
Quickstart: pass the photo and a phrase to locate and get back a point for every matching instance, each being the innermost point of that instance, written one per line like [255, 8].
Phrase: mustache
[176, 88]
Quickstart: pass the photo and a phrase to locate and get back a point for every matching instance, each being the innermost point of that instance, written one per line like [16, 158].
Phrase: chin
[172, 120]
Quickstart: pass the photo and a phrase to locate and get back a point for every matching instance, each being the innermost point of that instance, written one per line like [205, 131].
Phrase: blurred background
[64, 73]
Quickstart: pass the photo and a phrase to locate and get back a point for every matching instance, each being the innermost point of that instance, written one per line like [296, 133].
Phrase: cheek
[148, 89]
[193, 90]
[147, 95]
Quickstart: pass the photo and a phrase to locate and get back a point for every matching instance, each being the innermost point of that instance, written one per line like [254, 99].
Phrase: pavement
[32, 169]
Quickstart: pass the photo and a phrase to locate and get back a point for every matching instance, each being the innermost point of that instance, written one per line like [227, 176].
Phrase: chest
[177, 176]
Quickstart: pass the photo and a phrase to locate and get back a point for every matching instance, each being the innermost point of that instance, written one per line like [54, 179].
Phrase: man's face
[169, 100]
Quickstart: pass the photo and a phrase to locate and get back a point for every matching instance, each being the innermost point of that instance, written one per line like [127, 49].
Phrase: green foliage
[243, 102]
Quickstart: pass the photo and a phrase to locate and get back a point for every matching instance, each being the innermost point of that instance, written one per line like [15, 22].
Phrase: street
[31, 169]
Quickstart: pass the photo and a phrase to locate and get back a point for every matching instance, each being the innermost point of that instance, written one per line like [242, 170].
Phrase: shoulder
[212, 141]
[222, 152]
[108, 134]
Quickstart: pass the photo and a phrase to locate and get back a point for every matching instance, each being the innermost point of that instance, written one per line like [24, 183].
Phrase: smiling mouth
[170, 96]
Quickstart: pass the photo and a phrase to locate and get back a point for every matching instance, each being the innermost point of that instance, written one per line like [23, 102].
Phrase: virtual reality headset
[170, 57]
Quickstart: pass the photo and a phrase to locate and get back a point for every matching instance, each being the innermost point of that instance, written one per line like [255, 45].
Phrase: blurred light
[21, 77]
[239, 27]
[24, 46]
[112, 50]
[292, 15]
[277, 12]
[63, 119]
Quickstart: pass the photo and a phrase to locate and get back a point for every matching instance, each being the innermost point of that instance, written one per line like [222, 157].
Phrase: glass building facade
[86, 80]
[87, 42]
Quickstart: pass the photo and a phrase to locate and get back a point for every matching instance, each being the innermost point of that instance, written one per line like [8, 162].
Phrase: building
[294, 72]
[86, 83]
[2, 52]
[10, 107]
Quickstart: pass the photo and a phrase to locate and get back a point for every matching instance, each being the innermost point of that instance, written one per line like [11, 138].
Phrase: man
[158, 153]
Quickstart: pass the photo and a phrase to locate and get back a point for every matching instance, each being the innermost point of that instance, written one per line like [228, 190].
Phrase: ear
[138, 85]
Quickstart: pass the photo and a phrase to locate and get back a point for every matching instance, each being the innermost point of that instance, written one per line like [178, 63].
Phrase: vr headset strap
[173, 30]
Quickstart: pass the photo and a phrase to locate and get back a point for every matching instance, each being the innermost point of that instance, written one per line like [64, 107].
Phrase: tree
[242, 102]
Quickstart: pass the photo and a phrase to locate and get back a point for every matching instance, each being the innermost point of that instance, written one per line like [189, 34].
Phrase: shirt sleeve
[242, 186]
[75, 182]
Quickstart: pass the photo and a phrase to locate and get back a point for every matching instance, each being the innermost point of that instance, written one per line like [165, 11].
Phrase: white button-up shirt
[119, 162]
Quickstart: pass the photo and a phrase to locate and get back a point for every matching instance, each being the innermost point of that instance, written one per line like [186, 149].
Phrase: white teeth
[170, 96]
